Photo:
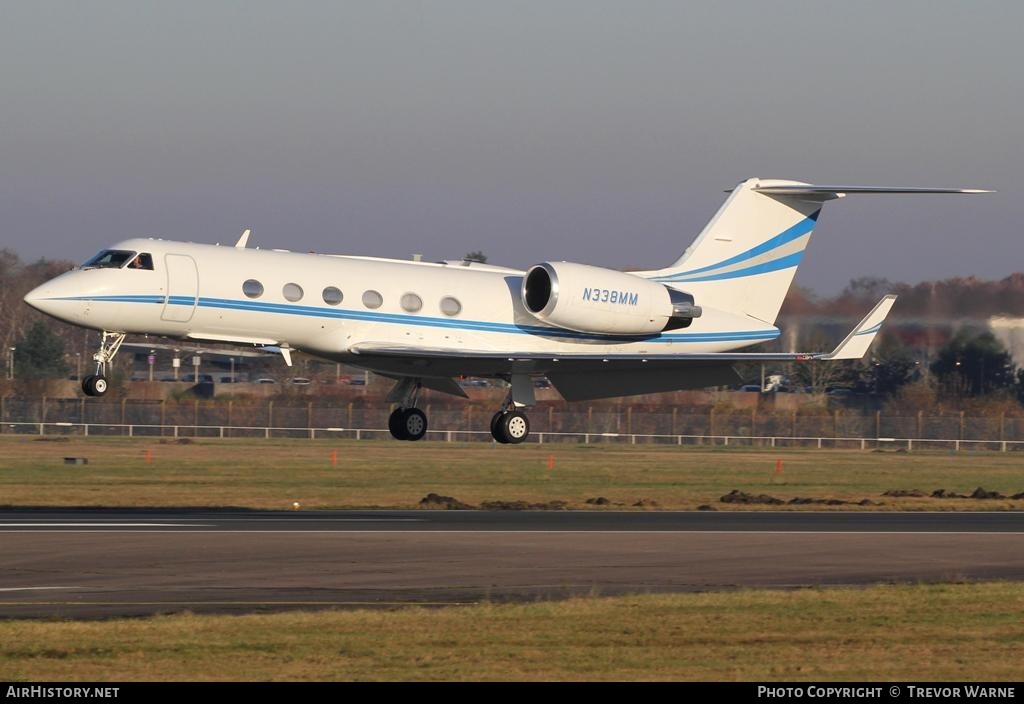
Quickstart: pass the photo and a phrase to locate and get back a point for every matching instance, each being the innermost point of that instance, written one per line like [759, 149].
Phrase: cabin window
[333, 295]
[292, 292]
[143, 261]
[411, 302]
[252, 288]
[450, 306]
[372, 299]
[109, 259]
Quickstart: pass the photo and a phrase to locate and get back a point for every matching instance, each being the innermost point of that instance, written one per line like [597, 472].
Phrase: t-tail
[745, 259]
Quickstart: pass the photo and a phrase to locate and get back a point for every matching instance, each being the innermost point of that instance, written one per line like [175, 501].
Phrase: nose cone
[39, 297]
[56, 299]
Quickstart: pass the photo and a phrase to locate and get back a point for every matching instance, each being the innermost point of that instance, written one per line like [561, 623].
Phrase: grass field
[275, 473]
[972, 632]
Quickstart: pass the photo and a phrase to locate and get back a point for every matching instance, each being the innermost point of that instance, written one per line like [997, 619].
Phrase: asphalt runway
[111, 562]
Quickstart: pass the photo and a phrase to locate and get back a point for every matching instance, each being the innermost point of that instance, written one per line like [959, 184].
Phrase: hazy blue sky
[601, 132]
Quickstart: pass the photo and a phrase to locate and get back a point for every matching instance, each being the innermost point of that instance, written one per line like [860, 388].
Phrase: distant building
[1010, 332]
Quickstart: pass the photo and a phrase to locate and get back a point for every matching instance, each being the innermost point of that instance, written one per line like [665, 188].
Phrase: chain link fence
[266, 418]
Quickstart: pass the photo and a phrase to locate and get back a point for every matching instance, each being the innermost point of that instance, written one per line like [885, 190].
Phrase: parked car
[191, 378]
[266, 380]
[839, 391]
[301, 381]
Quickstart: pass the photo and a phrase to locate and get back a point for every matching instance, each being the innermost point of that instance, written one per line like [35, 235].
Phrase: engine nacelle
[592, 299]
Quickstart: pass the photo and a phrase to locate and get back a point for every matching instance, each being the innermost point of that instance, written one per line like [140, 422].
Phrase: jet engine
[592, 299]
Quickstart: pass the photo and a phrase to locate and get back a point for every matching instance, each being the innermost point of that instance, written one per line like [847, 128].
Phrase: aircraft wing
[853, 347]
[193, 348]
[860, 338]
[581, 377]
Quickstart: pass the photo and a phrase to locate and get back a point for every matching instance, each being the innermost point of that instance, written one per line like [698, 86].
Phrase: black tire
[396, 424]
[496, 427]
[414, 423]
[87, 385]
[515, 426]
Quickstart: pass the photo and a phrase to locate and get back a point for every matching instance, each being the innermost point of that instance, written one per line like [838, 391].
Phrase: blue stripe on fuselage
[425, 321]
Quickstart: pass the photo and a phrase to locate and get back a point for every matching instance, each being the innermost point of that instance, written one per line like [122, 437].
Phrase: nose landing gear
[96, 384]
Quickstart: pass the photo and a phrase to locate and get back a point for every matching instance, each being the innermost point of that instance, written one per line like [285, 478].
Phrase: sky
[591, 131]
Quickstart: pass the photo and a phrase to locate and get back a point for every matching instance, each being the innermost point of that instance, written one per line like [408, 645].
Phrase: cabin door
[182, 288]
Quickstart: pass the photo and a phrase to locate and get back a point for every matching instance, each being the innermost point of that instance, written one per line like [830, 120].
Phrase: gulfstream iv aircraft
[593, 332]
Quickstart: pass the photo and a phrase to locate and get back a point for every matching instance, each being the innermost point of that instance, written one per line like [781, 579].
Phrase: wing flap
[587, 386]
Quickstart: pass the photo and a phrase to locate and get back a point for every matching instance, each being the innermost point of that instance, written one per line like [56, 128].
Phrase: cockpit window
[143, 261]
[111, 259]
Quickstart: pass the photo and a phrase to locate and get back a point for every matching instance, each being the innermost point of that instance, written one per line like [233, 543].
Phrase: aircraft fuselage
[199, 292]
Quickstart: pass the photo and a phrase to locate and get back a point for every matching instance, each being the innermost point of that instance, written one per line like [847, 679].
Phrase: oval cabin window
[252, 288]
[411, 302]
[372, 299]
[450, 306]
[292, 292]
[333, 295]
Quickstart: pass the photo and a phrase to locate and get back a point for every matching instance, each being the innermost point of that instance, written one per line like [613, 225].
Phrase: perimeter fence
[588, 424]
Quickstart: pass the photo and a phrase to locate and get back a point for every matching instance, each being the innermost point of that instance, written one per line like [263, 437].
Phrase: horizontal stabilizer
[857, 342]
[813, 192]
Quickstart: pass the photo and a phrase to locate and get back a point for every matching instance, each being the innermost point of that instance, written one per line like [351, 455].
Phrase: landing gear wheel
[94, 385]
[407, 424]
[496, 428]
[395, 424]
[515, 427]
[414, 423]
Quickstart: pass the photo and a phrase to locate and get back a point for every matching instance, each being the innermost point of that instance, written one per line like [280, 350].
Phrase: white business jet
[593, 332]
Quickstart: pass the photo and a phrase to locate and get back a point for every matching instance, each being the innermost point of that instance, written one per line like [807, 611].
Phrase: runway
[111, 562]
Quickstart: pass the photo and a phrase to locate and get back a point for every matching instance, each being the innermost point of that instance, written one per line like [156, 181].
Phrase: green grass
[971, 632]
[276, 473]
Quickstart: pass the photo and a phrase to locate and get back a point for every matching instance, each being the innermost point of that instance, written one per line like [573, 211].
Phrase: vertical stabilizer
[745, 259]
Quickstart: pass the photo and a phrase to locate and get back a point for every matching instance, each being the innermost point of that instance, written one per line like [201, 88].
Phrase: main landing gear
[96, 384]
[406, 422]
[509, 426]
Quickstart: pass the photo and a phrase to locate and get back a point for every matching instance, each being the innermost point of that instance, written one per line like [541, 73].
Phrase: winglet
[857, 342]
[244, 239]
